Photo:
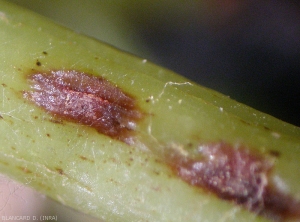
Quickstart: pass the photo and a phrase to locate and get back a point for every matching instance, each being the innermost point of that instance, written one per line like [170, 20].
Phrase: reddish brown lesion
[85, 99]
[235, 174]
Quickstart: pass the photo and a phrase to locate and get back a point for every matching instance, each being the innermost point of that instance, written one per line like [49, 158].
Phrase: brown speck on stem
[38, 63]
[25, 170]
[83, 158]
[59, 170]
[86, 159]
[274, 153]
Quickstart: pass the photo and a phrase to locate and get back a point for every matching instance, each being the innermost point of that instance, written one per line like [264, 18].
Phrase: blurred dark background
[249, 50]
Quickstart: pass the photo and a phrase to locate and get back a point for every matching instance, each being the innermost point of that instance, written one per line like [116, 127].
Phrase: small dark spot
[25, 170]
[59, 170]
[189, 145]
[156, 172]
[4, 85]
[1, 117]
[86, 159]
[266, 128]
[38, 63]
[275, 153]
[45, 53]
[48, 134]
[96, 57]
[148, 100]
[35, 117]
[114, 181]
[13, 148]
[83, 157]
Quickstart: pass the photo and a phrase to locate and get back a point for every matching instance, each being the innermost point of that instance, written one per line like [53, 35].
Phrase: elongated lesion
[85, 99]
[232, 173]
[235, 174]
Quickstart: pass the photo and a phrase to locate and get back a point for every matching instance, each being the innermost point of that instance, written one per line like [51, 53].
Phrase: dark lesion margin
[123, 105]
[207, 171]
[275, 204]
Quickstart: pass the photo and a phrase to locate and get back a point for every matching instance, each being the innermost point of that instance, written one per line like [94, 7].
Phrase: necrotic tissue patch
[236, 174]
[85, 99]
